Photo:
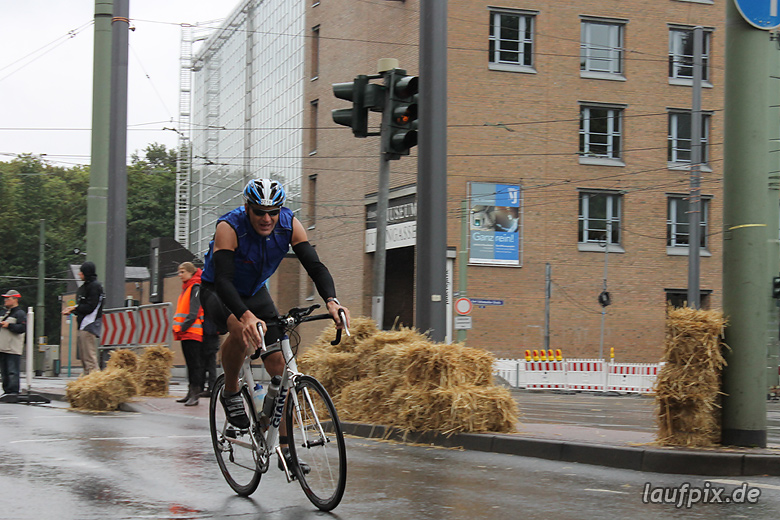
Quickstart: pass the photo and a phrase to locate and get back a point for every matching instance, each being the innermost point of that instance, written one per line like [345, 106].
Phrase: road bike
[318, 458]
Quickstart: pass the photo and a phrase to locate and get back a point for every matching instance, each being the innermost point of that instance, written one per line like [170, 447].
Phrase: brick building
[568, 136]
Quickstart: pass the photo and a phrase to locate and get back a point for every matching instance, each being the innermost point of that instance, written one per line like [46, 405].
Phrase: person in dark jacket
[13, 325]
[89, 316]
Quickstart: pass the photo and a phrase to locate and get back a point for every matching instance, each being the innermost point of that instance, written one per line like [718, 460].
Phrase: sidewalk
[619, 433]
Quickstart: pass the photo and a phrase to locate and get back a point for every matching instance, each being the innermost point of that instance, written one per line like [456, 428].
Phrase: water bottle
[270, 397]
[257, 397]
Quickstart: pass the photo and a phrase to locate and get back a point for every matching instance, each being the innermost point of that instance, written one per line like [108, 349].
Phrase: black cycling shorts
[261, 304]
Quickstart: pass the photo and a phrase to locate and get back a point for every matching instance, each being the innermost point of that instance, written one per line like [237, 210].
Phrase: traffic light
[357, 116]
[403, 111]
[776, 287]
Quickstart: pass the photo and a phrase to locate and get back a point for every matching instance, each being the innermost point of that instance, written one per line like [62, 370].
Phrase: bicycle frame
[289, 377]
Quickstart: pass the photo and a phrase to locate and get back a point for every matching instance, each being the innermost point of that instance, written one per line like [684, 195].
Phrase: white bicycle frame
[289, 377]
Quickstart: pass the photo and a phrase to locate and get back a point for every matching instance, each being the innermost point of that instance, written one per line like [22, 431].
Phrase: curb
[654, 460]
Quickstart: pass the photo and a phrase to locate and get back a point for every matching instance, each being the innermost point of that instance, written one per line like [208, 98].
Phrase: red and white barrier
[545, 375]
[594, 375]
[137, 326]
[155, 324]
[119, 327]
[585, 374]
[632, 377]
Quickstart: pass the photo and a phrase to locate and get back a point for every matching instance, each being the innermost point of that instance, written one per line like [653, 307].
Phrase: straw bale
[400, 378]
[688, 385]
[123, 358]
[103, 390]
[154, 371]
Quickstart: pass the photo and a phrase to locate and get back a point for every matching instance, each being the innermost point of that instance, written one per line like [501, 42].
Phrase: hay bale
[688, 385]
[154, 371]
[400, 378]
[103, 390]
[123, 358]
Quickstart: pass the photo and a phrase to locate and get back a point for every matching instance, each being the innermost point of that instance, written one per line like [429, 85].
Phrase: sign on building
[495, 224]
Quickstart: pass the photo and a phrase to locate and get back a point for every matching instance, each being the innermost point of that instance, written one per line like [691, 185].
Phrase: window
[600, 132]
[314, 106]
[678, 298]
[511, 40]
[681, 55]
[315, 52]
[599, 219]
[679, 137]
[677, 227]
[601, 48]
[312, 200]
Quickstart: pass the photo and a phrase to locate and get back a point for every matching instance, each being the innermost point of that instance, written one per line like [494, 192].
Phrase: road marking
[116, 438]
[37, 440]
[740, 482]
[607, 491]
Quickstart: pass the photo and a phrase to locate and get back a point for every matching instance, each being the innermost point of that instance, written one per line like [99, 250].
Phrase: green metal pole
[97, 194]
[39, 306]
[773, 211]
[463, 259]
[745, 282]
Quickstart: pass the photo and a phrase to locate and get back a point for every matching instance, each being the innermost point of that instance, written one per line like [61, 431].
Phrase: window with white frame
[511, 39]
[679, 137]
[600, 131]
[599, 219]
[677, 223]
[681, 54]
[601, 47]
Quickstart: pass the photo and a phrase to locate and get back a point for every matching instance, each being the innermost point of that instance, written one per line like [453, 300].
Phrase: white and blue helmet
[264, 192]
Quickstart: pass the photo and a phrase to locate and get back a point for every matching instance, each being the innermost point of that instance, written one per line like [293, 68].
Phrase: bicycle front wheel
[316, 441]
[233, 447]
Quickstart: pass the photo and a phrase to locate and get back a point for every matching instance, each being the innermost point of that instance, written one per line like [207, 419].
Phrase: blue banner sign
[494, 223]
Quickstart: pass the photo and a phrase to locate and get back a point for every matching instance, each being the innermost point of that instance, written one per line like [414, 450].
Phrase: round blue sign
[761, 14]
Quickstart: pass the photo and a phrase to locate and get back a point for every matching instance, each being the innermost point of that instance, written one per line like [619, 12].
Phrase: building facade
[569, 140]
[246, 88]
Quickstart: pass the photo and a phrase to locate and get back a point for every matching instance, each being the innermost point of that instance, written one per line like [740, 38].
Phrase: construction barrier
[545, 375]
[137, 326]
[592, 375]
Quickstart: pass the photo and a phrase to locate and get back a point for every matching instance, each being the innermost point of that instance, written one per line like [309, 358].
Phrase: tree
[151, 201]
[31, 190]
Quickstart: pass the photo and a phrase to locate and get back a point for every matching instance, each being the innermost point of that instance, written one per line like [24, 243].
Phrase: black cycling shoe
[234, 409]
[288, 459]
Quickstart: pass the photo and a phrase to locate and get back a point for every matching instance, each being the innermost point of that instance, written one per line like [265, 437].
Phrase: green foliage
[31, 190]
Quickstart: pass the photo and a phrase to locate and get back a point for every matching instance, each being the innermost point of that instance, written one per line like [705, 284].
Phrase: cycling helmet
[264, 192]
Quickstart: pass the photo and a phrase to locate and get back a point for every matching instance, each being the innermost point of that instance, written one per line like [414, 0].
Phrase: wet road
[58, 464]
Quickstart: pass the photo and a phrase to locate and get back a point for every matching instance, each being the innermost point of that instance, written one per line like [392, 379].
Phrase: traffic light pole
[382, 195]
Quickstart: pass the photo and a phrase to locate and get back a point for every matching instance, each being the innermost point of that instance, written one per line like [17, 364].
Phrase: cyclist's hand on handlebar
[252, 327]
[333, 310]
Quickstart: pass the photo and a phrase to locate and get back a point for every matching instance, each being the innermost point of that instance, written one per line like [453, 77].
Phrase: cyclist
[248, 246]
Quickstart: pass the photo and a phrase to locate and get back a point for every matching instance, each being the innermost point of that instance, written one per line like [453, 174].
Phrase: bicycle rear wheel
[316, 440]
[233, 447]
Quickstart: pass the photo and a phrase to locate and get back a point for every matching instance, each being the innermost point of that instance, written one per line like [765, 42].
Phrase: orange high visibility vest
[182, 310]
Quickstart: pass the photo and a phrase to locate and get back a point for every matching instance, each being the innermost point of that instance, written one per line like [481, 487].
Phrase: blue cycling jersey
[256, 257]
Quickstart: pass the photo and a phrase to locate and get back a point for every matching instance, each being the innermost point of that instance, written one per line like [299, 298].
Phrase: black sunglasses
[263, 212]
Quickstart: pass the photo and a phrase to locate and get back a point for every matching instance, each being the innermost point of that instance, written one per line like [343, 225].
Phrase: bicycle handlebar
[295, 317]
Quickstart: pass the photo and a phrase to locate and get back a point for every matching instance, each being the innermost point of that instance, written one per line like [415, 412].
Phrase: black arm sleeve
[224, 271]
[316, 269]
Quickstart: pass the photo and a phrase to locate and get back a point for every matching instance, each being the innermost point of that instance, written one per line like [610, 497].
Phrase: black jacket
[89, 299]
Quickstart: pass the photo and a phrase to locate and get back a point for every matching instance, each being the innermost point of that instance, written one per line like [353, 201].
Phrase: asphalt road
[60, 464]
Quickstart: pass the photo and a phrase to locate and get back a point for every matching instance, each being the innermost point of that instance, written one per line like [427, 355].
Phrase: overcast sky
[46, 74]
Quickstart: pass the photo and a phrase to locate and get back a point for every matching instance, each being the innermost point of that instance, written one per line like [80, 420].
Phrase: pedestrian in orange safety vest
[188, 328]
